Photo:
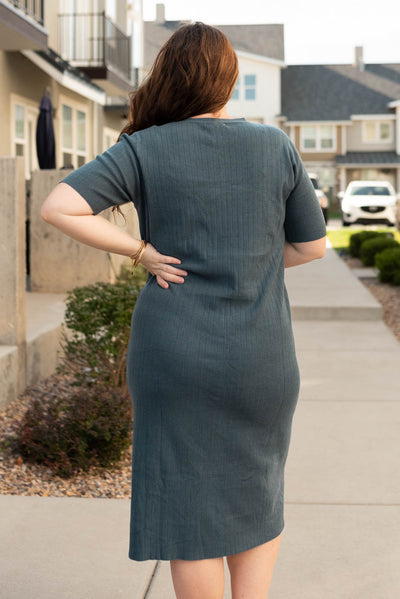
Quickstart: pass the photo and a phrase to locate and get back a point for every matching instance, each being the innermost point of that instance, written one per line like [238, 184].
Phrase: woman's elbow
[321, 251]
[45, 212]
[48, 208]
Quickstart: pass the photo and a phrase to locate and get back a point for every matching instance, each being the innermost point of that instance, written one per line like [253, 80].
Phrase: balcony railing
[93, 40]
[32, 8]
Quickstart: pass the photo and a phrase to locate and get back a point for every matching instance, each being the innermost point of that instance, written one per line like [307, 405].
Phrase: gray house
[344, 120]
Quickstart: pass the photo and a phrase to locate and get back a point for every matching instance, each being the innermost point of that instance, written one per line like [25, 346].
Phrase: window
[19, 130]
[326, 137]
[377, 131]
[73, 136]
[81, 136]
[245, 88]
[236, 95]
[318, 138]
[23, 140]
[249, 87]
[370, 190]
[309, 137]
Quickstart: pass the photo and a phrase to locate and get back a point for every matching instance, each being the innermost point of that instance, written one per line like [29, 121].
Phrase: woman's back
[214, 194]
[223, 195]
[211, 363]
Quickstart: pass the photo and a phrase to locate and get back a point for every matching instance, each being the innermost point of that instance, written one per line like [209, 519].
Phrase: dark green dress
[212, 368]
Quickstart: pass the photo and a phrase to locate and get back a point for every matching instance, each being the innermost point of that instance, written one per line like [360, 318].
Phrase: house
[344, 119]
[260, 51]
[84, 57]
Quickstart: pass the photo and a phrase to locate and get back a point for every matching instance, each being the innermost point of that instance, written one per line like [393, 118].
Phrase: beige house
[344, 120]
[86, 55]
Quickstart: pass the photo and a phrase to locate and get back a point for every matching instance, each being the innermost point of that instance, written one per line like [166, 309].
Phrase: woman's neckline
[214, 118]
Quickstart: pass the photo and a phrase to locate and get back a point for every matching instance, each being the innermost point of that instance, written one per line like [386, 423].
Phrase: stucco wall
[12, 279]
[58, 262]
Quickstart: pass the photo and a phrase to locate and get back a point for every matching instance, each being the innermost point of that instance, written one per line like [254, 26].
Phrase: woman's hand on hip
[160, 265]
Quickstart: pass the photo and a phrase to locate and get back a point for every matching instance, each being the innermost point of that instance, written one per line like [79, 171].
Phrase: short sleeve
[111, 179]
[304, 219]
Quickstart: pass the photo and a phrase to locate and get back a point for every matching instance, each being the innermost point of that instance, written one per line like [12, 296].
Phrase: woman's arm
[69, 212]
[295, 253]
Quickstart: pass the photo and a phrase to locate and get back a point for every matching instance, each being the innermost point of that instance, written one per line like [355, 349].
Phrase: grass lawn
[340, 238]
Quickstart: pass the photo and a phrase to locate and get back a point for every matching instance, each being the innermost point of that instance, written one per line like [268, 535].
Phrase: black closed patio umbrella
[45, 143]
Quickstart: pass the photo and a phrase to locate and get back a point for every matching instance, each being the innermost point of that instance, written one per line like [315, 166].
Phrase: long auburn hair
[194, 73]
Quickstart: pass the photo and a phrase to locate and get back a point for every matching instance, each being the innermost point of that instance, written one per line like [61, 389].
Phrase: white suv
[367, 202]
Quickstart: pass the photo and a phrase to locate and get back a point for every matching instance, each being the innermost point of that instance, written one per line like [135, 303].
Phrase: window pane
[310, 137]
[370, 130]
[385, 131]
[250, 93]
[81, 130]
[249, 87]
[326, 136]
[309, 132]
[326, 143]
[326, 131]
[19, 149]
[19, 122]
[67, 126]
[250, 80]
[67, 160]
[309, 143]
[81, 161]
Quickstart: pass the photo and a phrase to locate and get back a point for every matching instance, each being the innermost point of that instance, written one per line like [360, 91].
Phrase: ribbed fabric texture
[212, 368]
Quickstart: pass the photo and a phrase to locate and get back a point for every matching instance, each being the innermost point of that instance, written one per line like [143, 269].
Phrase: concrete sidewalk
[342, 510]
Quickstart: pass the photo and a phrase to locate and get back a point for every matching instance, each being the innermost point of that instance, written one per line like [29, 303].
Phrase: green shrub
[98, 319]
[396, 278]
[370, 247]
[71, 432]
[388, 262]
[356, 239]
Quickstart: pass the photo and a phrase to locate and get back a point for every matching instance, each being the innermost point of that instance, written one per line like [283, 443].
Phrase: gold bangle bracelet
[142, 243]
[136, 260]
[137, 255]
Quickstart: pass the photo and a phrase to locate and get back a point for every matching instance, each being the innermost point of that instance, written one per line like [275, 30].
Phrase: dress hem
[239, 548]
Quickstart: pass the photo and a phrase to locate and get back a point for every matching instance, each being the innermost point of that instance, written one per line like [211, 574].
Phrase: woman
[224, 205]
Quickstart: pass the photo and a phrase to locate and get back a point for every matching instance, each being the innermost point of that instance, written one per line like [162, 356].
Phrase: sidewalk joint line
[148, 588]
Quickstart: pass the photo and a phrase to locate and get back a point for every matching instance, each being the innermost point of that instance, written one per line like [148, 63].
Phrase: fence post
[12, 278]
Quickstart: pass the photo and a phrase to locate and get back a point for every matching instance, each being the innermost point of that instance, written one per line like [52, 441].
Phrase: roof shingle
[335, 92]
[368, 158]
[263, 40]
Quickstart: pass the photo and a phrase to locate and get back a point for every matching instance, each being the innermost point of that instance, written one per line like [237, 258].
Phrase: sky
[315, 32]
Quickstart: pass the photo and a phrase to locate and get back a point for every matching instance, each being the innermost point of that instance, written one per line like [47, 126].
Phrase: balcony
[99, 48]
[21, 25]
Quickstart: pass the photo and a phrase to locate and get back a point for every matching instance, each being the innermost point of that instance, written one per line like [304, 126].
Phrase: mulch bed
[20, 478]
